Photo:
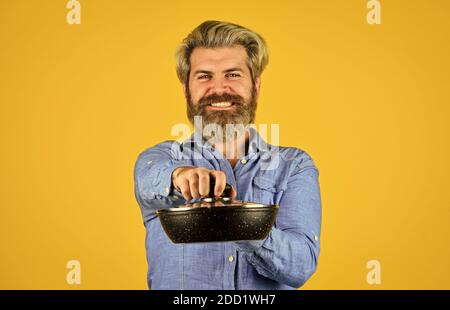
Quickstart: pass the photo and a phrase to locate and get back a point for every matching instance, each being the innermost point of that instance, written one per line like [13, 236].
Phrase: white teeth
[221, 104]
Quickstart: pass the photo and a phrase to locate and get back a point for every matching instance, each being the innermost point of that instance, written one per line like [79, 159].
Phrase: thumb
[233, 193]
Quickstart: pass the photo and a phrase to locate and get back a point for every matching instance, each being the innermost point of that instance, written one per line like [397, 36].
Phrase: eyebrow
[225, 71]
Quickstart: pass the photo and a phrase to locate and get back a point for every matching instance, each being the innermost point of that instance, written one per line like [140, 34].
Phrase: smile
[221, 104]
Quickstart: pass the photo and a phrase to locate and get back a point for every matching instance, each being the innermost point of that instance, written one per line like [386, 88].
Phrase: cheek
[196, 93]
[244, 90]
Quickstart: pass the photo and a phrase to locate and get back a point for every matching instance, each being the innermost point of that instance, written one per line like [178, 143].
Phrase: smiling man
[219, 65]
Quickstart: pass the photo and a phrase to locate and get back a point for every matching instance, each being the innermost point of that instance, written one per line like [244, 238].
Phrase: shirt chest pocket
[267, 190]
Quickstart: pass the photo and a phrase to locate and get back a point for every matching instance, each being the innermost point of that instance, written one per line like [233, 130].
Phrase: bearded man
[219, 65]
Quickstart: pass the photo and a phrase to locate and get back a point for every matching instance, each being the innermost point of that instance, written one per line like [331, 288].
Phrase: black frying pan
[218, 219]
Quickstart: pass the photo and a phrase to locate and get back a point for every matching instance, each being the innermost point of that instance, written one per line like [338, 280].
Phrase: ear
[184, 89]
[258, 86]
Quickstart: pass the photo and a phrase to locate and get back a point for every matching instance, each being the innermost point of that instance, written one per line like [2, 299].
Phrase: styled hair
[213, 34]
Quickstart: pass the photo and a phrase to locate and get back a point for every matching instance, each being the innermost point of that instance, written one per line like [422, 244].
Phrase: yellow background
[78, 103]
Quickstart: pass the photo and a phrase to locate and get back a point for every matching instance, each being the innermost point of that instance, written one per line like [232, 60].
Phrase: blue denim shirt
[270, 175]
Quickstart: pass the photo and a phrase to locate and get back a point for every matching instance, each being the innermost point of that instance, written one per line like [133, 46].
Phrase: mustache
[215, 98]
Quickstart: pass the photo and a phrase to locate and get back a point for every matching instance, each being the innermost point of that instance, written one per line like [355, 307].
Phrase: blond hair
[212, 34]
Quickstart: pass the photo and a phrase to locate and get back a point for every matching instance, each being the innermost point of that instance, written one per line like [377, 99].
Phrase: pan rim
[255, 207]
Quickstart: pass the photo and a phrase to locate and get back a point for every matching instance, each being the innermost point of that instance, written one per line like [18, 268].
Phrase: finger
[233, 193]
[184, 188]
[221, 181]
[219, 204]
[193, 185]
[203, 182]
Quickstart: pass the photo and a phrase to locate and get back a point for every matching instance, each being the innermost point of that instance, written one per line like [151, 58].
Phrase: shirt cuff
[163, 181]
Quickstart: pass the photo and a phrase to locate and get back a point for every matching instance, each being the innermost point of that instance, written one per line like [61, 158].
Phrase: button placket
[230, 266]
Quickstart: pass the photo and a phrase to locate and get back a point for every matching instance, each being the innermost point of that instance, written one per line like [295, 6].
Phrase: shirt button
[167, 190]
[316, 238]
[243, 161]
[230, 258]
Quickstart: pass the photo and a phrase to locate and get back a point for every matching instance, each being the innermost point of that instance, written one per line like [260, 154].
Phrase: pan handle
[226, 192]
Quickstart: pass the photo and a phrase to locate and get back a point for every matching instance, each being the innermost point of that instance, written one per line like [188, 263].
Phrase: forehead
[218, 58]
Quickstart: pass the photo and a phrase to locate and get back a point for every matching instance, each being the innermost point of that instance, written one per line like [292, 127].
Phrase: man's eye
[203, 77]
[233, 75]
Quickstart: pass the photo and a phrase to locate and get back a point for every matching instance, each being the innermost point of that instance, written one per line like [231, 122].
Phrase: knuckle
[181, 179]
[191, 171]
[200, 170]
[221, 174]
[203, 177]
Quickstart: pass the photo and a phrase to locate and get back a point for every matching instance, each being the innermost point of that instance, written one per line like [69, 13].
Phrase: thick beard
[240, 118]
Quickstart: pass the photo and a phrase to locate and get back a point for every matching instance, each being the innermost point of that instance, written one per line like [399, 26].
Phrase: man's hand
[193, 182]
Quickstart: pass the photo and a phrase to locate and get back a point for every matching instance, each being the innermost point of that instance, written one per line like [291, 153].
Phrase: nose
[219, 86]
